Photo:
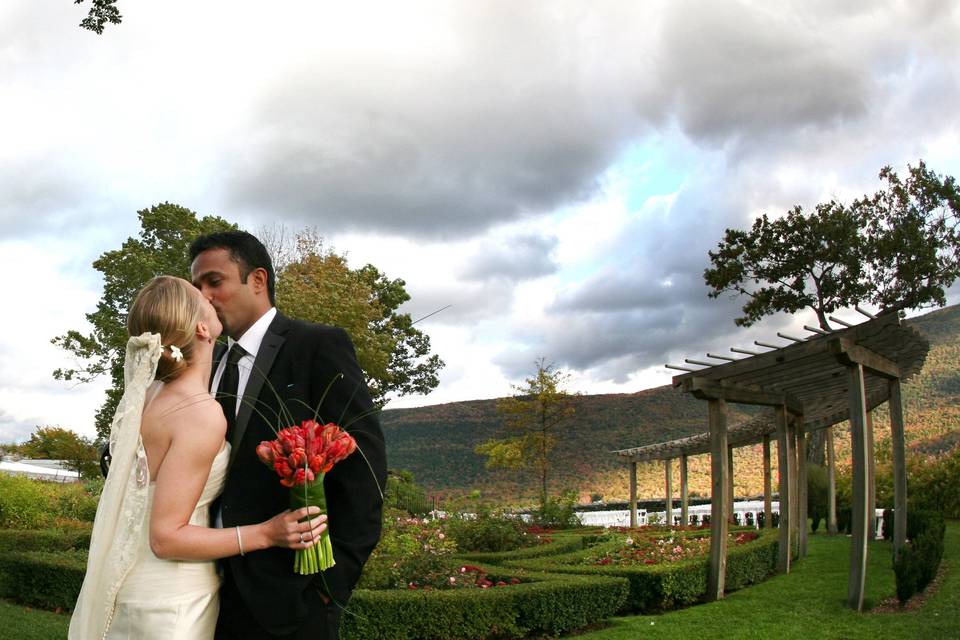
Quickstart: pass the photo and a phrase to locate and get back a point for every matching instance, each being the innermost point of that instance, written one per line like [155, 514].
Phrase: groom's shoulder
[303, 330]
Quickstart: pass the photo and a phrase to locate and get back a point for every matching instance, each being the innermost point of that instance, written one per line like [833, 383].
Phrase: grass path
[810, 603]
[807, 603]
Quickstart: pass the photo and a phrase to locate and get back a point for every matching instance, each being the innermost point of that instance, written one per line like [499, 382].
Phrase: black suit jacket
[299, 368]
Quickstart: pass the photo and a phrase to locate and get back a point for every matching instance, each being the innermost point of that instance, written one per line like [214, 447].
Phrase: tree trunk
[816, 447]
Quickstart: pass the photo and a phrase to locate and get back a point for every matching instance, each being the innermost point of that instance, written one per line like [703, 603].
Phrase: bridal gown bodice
[172, 598]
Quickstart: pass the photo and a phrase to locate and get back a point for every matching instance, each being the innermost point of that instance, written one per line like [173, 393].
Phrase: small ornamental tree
[531, 419]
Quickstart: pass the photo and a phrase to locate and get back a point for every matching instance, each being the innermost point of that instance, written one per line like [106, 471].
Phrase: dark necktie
[227, 391]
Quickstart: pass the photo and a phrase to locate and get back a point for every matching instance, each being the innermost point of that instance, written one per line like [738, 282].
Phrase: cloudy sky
[556, 171]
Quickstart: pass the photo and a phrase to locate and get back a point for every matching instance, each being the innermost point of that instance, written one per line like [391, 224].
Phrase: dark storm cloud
[519, 119]
[738, 71]
[525, 116]
[513, 258]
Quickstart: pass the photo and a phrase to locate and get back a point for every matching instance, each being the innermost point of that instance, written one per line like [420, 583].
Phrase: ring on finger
[301, 538]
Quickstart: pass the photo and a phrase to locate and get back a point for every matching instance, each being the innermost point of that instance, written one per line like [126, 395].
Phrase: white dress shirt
[250, 341]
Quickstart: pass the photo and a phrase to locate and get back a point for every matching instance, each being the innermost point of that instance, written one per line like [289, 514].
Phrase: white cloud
[555, 171]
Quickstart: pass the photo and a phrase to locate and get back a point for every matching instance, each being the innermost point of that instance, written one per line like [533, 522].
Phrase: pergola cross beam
[705, 389]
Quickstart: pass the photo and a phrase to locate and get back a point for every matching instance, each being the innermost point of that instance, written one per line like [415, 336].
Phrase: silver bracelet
[239, 540]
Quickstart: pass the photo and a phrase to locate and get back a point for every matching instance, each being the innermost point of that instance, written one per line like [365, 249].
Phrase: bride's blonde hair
[168, 306]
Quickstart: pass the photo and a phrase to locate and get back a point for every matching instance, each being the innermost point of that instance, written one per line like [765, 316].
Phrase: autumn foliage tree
[56, 443]
[316, 284]
[531, 418]
[897, 249]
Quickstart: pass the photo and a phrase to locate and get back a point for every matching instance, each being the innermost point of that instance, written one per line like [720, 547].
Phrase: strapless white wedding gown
[172, 599]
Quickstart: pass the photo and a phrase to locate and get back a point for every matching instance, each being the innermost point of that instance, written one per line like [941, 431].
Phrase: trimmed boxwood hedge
[547, 604]
[667, 585]
[44, 579]
[560, 544]
[44, 539]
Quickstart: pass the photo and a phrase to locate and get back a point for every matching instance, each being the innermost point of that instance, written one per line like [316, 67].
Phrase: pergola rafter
[809, 385]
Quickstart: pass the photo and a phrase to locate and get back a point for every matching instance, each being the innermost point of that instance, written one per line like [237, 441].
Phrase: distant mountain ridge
[437, 442]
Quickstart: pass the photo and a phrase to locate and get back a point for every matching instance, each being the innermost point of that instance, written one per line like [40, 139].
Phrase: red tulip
[265, 453]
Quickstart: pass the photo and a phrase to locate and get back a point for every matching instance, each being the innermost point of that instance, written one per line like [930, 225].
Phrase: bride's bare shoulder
[178, 410]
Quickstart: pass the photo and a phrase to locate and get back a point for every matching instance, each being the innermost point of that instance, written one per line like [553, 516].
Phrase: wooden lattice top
[809, 377]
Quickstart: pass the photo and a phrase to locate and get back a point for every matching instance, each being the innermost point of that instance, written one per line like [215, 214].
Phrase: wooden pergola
[811, 384]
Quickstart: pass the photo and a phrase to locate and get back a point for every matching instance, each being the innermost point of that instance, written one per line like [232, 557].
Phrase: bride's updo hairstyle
[168, 306]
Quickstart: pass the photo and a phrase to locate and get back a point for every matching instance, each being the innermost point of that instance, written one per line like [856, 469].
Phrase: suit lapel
[269, 347]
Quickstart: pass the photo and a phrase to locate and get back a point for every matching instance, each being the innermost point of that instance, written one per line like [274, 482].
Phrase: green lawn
[22, 623]
[807, 603]
[810, 603]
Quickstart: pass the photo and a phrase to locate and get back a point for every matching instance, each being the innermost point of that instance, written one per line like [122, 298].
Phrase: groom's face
[217, 276]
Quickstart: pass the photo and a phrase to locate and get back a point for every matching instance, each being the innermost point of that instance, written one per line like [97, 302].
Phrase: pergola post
[860, 453]
[831, 484]
[794, 485]
[668, 482]
[801, 488]
[730, 490]
[899, 468]
[633, 494]
[786, 460]
[684, 492]
[718, 498]
[871, 480]
[767, 485]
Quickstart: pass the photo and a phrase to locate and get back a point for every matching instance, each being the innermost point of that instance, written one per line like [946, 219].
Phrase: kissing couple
[193, 538]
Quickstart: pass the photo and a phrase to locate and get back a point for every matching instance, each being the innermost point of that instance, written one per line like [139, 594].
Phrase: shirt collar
[252, 337]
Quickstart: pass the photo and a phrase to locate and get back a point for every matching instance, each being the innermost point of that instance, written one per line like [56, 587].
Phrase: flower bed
[637, 548]
[667, 584]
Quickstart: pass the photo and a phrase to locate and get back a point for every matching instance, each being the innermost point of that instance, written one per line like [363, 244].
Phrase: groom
[284, 367]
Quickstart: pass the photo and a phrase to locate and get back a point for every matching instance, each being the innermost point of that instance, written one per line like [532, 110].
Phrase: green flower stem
[319, 557]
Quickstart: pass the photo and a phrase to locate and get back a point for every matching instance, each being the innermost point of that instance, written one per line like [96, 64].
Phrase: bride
[150, 570]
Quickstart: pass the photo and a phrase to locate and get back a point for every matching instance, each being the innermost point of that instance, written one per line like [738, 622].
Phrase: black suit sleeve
[354, 487]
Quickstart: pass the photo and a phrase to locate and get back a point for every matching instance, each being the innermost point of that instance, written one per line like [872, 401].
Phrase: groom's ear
[258, 279]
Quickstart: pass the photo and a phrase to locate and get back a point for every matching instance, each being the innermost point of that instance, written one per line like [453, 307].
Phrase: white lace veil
[122, 510]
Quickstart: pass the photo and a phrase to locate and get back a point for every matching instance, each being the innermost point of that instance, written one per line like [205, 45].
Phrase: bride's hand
[286, 530]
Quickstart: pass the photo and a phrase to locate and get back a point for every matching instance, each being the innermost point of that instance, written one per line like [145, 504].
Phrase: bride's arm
[179, 483]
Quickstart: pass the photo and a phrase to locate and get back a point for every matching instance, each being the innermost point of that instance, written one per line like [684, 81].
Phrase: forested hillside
[437, 442]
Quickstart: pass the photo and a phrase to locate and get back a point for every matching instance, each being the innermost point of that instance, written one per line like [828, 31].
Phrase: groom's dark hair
[245, 249]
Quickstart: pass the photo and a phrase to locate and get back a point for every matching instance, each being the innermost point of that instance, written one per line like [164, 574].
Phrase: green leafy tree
[317, 284]
[101, 12]
[312, 284]
[161, 248]
[532, 418]
[57, 443]
[897, 249]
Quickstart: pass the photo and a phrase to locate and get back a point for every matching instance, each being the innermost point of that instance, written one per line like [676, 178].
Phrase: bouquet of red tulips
[301, 455]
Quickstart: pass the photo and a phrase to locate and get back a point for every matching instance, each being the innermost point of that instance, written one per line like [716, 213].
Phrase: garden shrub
[410, 550]
[557, 513]
[74, 501]
[543, 605]
[916, 563]
[488, 531]
[48, 580]
[24, 503]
